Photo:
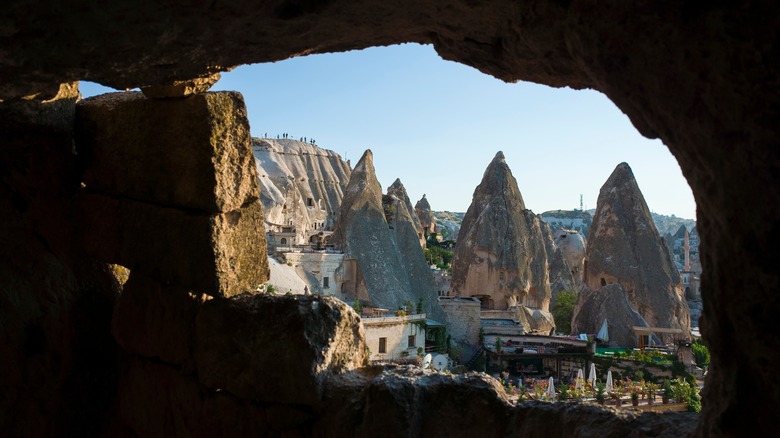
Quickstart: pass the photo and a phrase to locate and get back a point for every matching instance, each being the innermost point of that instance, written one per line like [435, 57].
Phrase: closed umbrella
[603, 333]
[609, 381]
[592, 375]
[580, 379]
[551, 389]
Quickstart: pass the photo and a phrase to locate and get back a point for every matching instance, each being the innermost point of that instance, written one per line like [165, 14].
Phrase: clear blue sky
[437, 124]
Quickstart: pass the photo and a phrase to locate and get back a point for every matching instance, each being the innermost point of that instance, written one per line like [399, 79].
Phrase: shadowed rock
[611, 303]
[381, 237]
[501, 251]
[624, 247]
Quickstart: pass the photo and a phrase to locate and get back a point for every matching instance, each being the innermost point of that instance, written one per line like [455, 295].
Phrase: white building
[394, 337]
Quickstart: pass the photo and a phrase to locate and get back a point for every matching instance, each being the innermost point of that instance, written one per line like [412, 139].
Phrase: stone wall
[463, 318]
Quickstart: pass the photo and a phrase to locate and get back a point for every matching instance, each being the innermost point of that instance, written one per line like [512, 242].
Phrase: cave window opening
[309, 202]
[603, 281]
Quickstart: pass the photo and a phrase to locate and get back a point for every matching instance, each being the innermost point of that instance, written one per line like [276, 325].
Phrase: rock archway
[701, 76]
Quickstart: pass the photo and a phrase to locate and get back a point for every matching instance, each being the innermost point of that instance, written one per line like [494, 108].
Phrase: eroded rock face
[501, 248]
[611, 303]
[624, 247]
[384, 242]
[573, 247]
[292, 344]
[242, 366]
[423, 212]
[145, 204]
[192, 153]
[300, 183]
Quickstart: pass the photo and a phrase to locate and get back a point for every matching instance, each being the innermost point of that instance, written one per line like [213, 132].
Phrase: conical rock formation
[382, 240]
[501, 255]
[423, 212]
[624, 247]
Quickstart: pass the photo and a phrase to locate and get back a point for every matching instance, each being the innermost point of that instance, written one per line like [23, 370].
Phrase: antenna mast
[581, 208]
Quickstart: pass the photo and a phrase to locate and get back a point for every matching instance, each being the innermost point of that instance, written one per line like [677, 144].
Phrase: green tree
[563, 310]
[700, 354]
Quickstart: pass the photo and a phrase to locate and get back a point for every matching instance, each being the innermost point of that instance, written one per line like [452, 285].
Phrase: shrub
[563, 310]
[701, 355]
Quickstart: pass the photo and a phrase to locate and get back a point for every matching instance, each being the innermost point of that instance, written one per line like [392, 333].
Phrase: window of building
[325, 282]
[383, 345]
[283, 241]
[411, 343]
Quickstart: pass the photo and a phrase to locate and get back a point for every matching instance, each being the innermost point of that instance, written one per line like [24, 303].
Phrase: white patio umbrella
[580, 378]
[609, 381]
[603, 333]
[550, 389]
[592, 375]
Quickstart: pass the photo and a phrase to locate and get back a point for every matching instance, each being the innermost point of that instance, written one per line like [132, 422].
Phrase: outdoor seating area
[676, 395]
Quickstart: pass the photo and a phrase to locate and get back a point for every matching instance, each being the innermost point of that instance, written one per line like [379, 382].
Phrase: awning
[432, 323]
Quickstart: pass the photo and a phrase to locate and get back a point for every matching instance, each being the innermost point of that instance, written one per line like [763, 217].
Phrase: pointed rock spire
[384, 261]
[501, 255]
[624, 247]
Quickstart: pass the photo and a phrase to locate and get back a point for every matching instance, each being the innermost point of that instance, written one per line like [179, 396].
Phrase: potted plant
[600, 387]
[635, 396]
[651, 389]
[563, 392]
[667, 394]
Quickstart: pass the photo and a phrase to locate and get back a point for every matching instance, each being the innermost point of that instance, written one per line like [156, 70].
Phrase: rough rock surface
[422, 210]
[388, 254]
[292, 344]
[501, 251]
[181, 88]
[191, 153]
[699, 76]
[624, 247]
[611, 303]
[157, 322]
[408, 401]
[291, 172]
[573, 246]
[216, 254]
[405, 218]
[560, 276]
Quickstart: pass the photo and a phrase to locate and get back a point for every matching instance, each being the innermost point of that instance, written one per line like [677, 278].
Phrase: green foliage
[356, 305]
[387, 205]
[563, 392]
[420, 305]
[498, 344]
[667, 389]
[563, 310]
[685, 392]
[700, 354]
[420, 351]
[438, 256]
[600, 391]
[271, 289]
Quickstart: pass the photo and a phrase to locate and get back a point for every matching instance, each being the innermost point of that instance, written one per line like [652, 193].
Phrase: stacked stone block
[170, 188]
